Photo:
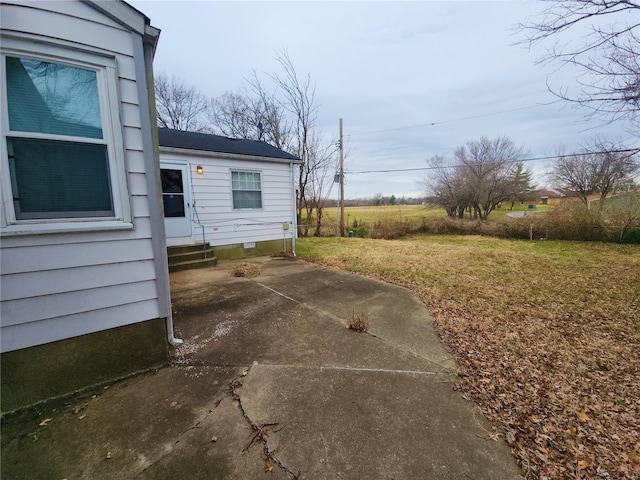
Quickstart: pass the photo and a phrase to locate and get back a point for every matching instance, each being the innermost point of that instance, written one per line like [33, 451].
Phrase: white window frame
[107, 78]
[241, 170]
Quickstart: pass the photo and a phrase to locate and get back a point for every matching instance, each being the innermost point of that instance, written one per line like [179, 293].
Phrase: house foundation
[254, 249]
[52, 370]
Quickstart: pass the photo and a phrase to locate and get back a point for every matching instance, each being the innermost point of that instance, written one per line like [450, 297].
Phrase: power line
[635, 150]
[431, 124]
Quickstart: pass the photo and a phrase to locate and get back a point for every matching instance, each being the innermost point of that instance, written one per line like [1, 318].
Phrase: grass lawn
[369, 215]
[546, 334]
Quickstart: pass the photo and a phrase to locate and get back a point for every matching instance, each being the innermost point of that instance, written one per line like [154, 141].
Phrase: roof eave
[129, 17]
[229, 156]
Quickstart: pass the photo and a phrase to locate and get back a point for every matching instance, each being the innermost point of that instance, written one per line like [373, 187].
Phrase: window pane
[52, 98]
[54, 179]
[171, 181]
[244, 199]
[246, 190]
[173, 205]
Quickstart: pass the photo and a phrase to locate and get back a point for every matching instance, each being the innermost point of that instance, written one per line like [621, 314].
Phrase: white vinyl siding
[212, 194]
[56, 286]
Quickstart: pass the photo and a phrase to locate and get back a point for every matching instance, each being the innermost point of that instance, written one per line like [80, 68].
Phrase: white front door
[175, 199]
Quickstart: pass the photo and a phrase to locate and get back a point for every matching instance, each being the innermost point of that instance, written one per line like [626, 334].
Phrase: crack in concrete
[260, 432]
[179, 438]
[342, 322]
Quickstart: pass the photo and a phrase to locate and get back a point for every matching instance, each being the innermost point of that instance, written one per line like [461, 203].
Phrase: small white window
[64, 165]
[247, 190]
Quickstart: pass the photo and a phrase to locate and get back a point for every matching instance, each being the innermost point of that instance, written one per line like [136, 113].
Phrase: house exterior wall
[229, 229]
[77, 281]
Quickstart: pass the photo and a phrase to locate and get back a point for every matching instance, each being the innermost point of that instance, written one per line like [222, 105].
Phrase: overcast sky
[410, 79]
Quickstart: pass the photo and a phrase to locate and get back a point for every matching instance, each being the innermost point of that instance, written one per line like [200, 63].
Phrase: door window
[172, 192]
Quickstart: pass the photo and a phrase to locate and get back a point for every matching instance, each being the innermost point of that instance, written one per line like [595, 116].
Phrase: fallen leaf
[584, 463]
[633, 458]
[45, 422]
[582, 416]
[268, 466]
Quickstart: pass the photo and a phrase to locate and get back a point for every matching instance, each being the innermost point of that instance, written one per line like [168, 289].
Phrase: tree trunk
[319, 214]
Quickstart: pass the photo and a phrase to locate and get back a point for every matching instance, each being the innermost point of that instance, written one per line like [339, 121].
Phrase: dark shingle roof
[219, 144]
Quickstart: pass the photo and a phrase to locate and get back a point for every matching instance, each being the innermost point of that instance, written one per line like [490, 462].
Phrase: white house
[84, 284]
[237, 195]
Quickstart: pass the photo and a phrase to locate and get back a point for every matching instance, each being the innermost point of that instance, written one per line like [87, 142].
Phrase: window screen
[247, 190]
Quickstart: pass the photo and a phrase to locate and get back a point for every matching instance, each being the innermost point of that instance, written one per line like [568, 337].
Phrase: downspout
[144, 50]
[294, 226]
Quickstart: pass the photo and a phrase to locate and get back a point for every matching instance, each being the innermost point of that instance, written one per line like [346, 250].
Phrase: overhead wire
[431, 124]
[438, 167]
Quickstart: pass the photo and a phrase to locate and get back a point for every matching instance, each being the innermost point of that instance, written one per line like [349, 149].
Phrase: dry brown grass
[247, 270]
[547, 336]
[358, 322]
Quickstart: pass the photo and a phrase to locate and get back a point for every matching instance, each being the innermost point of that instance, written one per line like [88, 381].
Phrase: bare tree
[486, 167]
[609, 56]
[321, 177]
[447, 186]
[275, 125]
[254, 114]
[298, 98]
[178, 105]
[233, 115]
[595, 170]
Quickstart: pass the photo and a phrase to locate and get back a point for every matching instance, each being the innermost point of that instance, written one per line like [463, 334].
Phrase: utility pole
[342, 231]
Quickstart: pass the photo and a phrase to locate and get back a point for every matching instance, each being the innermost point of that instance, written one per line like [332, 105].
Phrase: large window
[58, 142]
[247, 190]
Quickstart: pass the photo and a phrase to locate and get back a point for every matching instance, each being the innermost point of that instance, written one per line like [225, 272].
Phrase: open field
[370, 214]
[547, 337]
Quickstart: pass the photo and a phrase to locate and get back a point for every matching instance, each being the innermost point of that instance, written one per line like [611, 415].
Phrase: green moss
[55, 369]
[236, 251]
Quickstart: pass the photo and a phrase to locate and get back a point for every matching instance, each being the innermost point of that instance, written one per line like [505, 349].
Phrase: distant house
[238, 195]
[550, 196]
[84, 294]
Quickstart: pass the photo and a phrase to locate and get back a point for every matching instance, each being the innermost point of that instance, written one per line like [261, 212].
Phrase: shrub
[360, 231]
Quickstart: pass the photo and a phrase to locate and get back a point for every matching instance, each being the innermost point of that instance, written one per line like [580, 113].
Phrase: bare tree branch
[178, 105]
[608, 56]
[595, 170]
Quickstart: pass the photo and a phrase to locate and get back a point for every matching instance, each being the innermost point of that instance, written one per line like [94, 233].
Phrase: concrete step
[199, 254]
[192, 264]
[192, 247]
[186, 257]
